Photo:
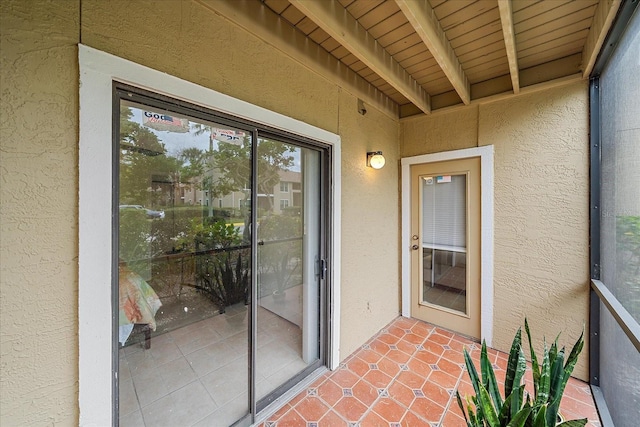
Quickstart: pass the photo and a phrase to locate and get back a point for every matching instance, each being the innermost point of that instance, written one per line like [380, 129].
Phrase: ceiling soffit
[418, 56]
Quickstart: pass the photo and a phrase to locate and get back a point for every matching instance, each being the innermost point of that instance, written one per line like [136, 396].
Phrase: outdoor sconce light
[375, 159]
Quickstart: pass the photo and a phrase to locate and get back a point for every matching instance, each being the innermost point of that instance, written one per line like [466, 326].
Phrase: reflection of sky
[176, 142]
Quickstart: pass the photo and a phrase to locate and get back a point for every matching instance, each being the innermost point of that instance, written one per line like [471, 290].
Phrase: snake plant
[519, 408]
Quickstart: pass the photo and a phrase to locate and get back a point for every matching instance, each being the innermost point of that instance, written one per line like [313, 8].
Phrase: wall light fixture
[375, 159]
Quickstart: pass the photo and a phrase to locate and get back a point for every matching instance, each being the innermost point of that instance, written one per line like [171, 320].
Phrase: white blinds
[444, 211]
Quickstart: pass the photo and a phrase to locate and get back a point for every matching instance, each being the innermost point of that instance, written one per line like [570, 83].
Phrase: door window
[444, 245]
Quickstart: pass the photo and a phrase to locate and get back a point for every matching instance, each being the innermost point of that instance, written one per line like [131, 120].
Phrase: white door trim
[98, 71]
[486, 280]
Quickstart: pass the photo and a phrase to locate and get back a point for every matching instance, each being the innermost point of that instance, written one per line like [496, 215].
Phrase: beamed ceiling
[417, 56]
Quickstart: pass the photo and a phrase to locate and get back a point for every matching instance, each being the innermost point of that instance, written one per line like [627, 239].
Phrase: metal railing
[626, 322]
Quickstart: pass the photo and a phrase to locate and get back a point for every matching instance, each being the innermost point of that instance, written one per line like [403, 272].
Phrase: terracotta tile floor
[406, 375]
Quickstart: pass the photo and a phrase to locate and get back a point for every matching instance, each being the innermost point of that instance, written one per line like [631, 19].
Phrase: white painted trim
[486, 178]
[335, 264]
[98, 70]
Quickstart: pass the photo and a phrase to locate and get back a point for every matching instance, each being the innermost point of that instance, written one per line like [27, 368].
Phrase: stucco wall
[40, 169]
[370, 218]
[541, 205]
[38, 208]
[176, 33]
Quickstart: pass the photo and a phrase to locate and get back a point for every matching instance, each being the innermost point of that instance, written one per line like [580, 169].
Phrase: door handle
[415, 247]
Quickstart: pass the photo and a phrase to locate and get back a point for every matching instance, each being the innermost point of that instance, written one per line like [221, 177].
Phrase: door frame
[98, 71]
[486, 229]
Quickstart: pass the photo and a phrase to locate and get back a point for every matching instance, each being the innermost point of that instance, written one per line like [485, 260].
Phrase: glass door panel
[444, 246]
[288, 283]
[184, 258]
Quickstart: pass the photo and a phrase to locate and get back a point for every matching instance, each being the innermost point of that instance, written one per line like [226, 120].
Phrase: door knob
[415, 247]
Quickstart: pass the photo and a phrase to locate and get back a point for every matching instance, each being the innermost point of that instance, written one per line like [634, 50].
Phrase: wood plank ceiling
[425, 55]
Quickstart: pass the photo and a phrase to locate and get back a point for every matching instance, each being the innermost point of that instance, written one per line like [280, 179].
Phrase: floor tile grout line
[361, 378]
[412, 356]
[395, 378]
[451, 396]
[432, 330]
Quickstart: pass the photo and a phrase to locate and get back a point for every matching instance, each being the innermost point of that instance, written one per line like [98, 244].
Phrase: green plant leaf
[520, 418]
[568, 368]
[477, 385]
[464, 414]
[575, 351]
[545, 379]
[512, 364]
[557, 375]
[553, 351]
[540, 420]
[489, 378]
[521, 368]
[517, 400]
[488, 410]
[535, 368]
[573, 423]
[504, 414]
[473, 376]
[473, 420]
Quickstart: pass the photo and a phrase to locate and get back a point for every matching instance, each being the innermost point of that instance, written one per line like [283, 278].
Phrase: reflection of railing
[270, 242]
[222, 274]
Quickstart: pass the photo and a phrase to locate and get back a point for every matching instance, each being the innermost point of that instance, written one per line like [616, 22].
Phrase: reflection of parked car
[150, 213]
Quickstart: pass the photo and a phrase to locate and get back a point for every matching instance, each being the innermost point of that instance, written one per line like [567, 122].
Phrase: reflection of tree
[233, 162]
[230, 164]
[142, 157]
[194, 161]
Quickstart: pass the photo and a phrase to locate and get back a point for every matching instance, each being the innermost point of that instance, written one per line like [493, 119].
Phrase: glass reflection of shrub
[222, 262]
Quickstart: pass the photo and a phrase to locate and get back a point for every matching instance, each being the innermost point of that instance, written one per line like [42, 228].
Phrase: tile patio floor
[406, 375]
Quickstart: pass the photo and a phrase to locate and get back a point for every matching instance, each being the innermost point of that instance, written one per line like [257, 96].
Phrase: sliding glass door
[288, 257]
[218, 304]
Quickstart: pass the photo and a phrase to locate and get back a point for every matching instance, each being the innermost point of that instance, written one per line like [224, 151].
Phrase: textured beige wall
[444, 131]
[542, 213]
[265, 77]
[541, 205]
[189, 41]
[370, 218]
[39, 173]
[38, 207]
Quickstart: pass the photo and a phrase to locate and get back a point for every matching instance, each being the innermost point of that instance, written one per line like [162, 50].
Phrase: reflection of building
[286, 194]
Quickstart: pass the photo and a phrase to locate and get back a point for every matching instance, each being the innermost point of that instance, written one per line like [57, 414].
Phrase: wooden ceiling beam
[506, 18]
[262, 22]
[423, 19]
[333, 18]
[602, 20]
